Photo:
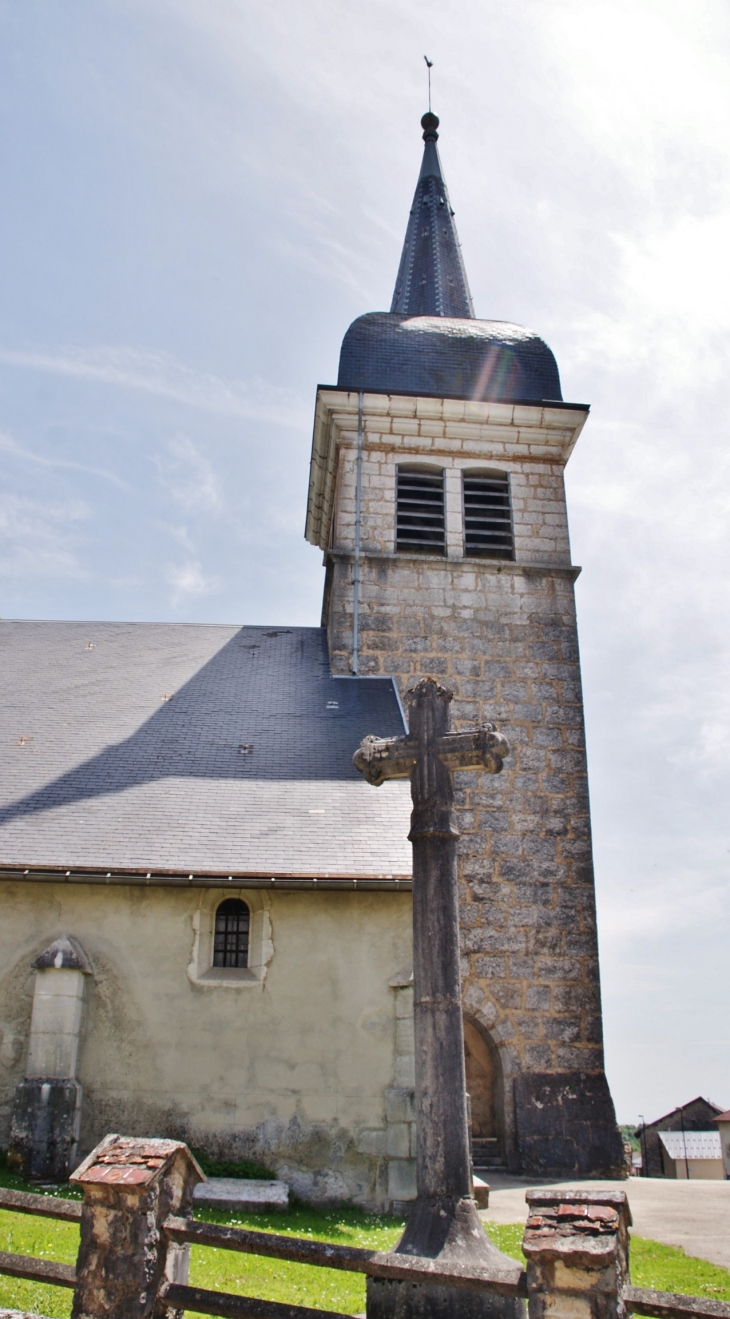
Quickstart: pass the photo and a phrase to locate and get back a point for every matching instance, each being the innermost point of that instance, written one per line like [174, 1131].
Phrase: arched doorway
[482, 1086]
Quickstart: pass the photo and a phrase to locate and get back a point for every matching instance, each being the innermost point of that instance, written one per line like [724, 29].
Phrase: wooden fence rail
[298, 1250]
[42, 1206]
[37, 1270]
[323, 1254]
[229, 1306]
[673, 1305]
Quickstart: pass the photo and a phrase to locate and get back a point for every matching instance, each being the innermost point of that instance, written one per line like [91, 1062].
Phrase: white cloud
[189, 476]
[188, 581]
[11, 447]
[180, 534]
[642, 73]
[669, 904]
[162, 374]
[38, 539]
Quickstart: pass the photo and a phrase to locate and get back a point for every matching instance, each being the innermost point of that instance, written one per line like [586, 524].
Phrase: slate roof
[431, 276]
[447, 357]
[191, 747]
[677, 1114]
[430, 343]
[691, 1144]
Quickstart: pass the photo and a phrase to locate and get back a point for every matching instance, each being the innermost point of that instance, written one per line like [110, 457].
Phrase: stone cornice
[496, 566]
[481, 431]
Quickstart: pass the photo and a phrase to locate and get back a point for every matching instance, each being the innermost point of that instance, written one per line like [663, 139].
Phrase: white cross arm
[381, 758]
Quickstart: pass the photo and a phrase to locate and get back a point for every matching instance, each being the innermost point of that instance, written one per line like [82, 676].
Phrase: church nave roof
[192, 747]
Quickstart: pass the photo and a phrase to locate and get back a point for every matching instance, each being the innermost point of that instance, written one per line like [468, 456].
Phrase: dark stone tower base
[566, 1126]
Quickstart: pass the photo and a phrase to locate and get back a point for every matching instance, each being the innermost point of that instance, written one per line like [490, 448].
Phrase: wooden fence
[124, 1204]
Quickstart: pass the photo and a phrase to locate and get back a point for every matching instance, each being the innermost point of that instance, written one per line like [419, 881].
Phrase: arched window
[232, 920]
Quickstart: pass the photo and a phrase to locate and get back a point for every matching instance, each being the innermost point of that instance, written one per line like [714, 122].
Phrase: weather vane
[429, 66]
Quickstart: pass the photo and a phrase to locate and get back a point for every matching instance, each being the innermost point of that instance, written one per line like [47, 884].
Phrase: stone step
[485, 1152]
[242, 1194]
[481, 1192]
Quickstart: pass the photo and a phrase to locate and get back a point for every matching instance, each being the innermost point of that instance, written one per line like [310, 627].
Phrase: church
[205, 911]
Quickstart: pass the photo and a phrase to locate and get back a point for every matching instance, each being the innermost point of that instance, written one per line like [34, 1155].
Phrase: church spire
[431, 276]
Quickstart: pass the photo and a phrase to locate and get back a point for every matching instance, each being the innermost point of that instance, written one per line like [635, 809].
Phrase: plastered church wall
[304, 1067]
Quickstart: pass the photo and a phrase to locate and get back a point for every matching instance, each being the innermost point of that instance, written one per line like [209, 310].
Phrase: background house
[699, 1115]
[723, 1122]
[688, 1155]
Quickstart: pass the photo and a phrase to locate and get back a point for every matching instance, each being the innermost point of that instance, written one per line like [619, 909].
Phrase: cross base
[390, 1299]
[387, 1299]
[450, 1232]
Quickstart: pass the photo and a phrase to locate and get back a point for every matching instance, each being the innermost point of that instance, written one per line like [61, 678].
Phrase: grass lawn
[652, 1265]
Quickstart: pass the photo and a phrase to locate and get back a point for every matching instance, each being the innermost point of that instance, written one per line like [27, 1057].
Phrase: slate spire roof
[430, 342]
[431, 276]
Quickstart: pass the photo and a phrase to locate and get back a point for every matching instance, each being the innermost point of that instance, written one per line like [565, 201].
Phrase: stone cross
[443, 1223]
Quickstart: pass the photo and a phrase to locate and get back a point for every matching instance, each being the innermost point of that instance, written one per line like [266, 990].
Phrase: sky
[199, 196]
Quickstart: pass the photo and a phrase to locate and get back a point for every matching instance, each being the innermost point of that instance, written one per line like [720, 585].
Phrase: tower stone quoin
[452, 395]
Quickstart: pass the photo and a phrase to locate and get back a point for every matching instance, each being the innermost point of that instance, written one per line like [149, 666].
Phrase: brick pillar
[130, 1186]
[577, 1249]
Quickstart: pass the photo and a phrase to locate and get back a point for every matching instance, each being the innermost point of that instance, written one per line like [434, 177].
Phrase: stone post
[130, 1186]
[47, 1105]
[577, 1248]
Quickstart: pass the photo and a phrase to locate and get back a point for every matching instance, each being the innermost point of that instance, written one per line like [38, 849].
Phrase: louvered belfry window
[232, 921]
[488, 516]
[420, 521]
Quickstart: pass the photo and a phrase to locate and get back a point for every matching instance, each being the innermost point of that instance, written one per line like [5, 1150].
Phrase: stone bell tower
[437, 496]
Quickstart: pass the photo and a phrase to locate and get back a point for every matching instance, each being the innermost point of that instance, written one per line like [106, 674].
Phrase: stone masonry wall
[503, 637]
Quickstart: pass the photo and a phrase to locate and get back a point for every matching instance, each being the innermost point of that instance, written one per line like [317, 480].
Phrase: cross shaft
[443, 1223]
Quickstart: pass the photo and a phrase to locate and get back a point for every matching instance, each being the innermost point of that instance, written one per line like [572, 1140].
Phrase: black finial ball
[429, 124]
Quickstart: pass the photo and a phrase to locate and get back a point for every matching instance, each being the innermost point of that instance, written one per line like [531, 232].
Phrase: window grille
[488, 516]
[420, 522]
[232, 921]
